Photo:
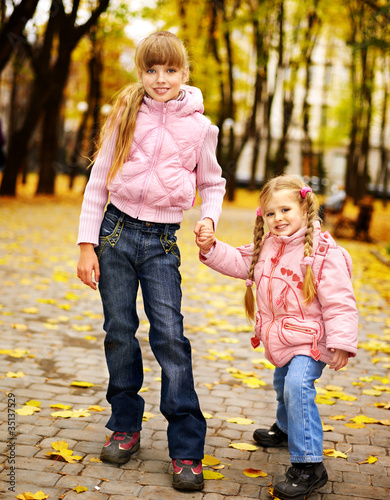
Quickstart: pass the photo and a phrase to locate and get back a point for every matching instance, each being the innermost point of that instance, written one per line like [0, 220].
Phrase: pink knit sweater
[210, 184]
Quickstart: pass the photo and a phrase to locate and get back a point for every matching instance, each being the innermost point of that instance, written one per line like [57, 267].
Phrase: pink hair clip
[305, 190]
[258, 212]
[248, 283]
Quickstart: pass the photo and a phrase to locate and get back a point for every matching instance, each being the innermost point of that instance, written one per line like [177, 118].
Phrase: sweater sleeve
[96, 196]
[338, 303]
[210, 183]
[228, 260]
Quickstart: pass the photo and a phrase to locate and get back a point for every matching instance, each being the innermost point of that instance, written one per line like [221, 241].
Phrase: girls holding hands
[155, 150]
[306, 317]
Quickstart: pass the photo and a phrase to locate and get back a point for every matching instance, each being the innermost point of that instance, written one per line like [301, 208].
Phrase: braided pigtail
[249, 301]
[309, 289]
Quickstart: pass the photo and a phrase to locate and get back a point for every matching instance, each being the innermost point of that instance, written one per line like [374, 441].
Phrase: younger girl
[306, 317]
[156, 148]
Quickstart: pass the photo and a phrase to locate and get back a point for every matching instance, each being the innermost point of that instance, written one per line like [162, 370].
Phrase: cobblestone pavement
[55, 324]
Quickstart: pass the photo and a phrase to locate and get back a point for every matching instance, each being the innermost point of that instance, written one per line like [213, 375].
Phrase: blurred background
[295, 86]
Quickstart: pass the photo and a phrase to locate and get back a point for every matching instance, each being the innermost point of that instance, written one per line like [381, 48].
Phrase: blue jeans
[133, 252]
[297, 414]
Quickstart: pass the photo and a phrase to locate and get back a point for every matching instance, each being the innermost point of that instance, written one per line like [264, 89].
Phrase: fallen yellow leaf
[209, 474]
[255, 473]
[369, 460]
[82, 384]
[240, 421]
[243, 446]
[27, 410]
[210, 461]
[96, 408]
[39, 495]
[80, 489]
[330, 452]
[15, 374]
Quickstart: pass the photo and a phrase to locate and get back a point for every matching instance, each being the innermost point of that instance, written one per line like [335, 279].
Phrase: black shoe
[300, 482]
[187, 474]
[120, 447]
[273, 437]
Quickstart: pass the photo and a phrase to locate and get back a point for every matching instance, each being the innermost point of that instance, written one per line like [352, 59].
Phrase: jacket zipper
[157, 150]
[275, 262]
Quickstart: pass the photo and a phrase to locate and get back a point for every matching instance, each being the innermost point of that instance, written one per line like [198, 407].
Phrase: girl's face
[284, 214]
[162, 82]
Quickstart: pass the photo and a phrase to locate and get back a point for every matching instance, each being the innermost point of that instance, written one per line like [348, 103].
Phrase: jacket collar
[191, 103]
[295, 238]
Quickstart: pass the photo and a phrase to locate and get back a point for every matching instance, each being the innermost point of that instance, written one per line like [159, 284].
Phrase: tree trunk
[11, 33]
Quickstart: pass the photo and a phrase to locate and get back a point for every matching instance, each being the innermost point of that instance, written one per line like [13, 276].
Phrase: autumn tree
[50, 58]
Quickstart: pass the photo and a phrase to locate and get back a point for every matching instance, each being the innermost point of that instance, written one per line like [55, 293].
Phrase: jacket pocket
[255, 341]
[294, 332]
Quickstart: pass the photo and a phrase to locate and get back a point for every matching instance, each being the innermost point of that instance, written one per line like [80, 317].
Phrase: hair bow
[258, 212]
[248, 282]
[305, 190]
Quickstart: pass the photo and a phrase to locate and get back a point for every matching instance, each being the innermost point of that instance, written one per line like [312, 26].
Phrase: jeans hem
[307, 460]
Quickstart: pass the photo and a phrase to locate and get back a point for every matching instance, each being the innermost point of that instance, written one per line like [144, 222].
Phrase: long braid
[249, 300]
[309, 289]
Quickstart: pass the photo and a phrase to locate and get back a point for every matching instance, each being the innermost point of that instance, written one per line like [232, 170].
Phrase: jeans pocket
[168, 242]
[110, 233]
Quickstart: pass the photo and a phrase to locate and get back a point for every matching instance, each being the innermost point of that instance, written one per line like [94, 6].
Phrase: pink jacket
[284, 325]
[172, 154]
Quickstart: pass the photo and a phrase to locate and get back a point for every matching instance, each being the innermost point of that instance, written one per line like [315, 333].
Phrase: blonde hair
[309, 203]
[161, 47]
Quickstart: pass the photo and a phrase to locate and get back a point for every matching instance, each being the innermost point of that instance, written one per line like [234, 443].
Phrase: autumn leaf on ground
[207, 415]
[254, 382]
[62, 451]
[209, 474]
[337, 417]
[369, 460]
[327, 428]
[96, 408]
[355, 426]
[39, 495]
[80, 489]
[331, 452]
[243, 446]
[210, 461]
[95, 460]
[385, 406]
[33, 402]
[15, 374]
[362, 419]
[27, 410]
[240, 421]
[70, 414]
[82, 384]
[61, 406]
[371, 392]
[255, 473]
[147, 415]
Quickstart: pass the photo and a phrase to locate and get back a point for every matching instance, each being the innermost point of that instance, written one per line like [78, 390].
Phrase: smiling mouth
[161, 90]
[283, 226]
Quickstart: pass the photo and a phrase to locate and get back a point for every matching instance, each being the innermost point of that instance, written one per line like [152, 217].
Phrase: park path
[51, 334]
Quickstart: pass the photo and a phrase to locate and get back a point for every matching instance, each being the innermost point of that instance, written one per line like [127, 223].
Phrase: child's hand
[204, 235]
[88, 266]
[339, 360]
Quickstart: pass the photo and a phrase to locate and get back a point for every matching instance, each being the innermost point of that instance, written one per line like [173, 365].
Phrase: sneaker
[300, 482]
[273, 438]
[120, 447]
[187, 474]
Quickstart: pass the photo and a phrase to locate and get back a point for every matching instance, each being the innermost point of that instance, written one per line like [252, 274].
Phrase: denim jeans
[297, 414]
[133, 252]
